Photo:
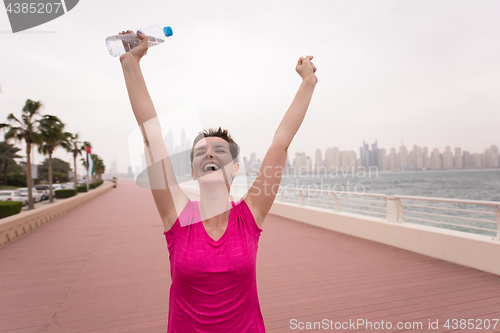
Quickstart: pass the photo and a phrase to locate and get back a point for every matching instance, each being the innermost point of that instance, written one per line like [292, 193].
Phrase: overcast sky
[417, 72]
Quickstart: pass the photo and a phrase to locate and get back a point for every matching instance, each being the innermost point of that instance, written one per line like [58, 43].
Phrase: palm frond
[11, 117]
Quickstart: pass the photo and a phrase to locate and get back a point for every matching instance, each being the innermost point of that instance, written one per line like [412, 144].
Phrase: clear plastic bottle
[120, 44]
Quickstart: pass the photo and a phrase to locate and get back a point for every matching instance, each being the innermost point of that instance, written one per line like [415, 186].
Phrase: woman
[213, 262]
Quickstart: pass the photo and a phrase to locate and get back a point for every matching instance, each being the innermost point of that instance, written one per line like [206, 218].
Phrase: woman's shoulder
[188, 215]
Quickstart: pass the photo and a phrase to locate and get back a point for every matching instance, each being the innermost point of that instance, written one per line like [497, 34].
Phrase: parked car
[56, 187]
[44, 189]
[37, 196]
[69, 185]
[13, 195]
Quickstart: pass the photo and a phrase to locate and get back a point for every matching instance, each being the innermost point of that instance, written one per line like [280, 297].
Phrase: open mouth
[211, 167]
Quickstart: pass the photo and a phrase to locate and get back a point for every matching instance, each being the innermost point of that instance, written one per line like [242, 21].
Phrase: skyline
[418, 158]
[417, 72]
[470, 160]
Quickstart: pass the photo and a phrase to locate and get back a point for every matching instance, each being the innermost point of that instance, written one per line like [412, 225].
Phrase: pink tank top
[214, 287]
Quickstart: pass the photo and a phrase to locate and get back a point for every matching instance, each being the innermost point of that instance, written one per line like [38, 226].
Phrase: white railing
[450, 212]
[442, 213]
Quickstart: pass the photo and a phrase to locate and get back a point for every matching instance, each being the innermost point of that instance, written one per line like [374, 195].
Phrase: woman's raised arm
[168, 196]
[261, 194]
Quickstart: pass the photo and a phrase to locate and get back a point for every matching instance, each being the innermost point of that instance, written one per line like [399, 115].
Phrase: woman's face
[212, 161]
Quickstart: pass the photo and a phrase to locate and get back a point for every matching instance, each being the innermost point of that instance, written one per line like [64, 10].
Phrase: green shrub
[92, 186]
[61, 194]
[16, 179]
[82, 188]
[97, 183]
[8, 208]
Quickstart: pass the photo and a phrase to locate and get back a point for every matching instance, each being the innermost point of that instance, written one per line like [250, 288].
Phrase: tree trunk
[5, 172]
[51, 194]
[29, 184]
[74, 158]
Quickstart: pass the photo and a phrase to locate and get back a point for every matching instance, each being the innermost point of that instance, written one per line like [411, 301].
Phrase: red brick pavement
[104, 267]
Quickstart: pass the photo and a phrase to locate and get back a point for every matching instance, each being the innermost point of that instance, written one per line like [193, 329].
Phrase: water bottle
[120, 44]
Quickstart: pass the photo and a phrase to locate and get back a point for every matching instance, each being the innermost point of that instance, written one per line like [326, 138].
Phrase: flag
[90, 165]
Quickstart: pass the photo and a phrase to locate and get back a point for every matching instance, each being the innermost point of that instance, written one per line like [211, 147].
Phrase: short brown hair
[221, 133]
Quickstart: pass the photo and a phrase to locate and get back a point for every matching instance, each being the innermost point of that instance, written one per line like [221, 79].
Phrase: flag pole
[86, 150]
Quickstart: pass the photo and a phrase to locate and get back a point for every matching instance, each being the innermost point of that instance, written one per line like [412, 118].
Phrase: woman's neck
[214, 204]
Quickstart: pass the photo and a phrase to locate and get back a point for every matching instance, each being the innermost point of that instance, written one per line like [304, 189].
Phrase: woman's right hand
[139, 51]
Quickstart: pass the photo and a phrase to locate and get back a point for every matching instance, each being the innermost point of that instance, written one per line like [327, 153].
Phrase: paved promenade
[104, 267]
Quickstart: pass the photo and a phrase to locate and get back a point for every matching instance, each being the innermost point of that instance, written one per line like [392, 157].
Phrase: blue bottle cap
[168, 31]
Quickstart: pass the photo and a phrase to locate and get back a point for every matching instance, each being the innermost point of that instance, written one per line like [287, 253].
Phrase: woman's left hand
[306, 68]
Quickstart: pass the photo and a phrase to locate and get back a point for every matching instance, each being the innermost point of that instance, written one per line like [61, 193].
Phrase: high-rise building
[332, 159]
[375, 156]
[425, 158]
[417, 159]
[114, 168]
[300, 163]
[477, 162]
[369, 157]
[436, 162]
[365, 155]
[467, 160]
[490, 157]
[318, 162]
[458, 159]
[329, 157]
[348, 161]
[404, 159]
[309, 164]
[393, 161]
[352, 159]
[344, 160]
[447, 158]
[383, 160]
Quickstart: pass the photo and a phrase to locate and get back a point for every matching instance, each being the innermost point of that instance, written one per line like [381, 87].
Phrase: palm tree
[99, 166]
[76, 149]
[8, 154]
[51, 136]
[25, 129]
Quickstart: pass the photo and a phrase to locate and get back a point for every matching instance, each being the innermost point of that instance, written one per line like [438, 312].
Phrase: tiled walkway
[104, 268]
